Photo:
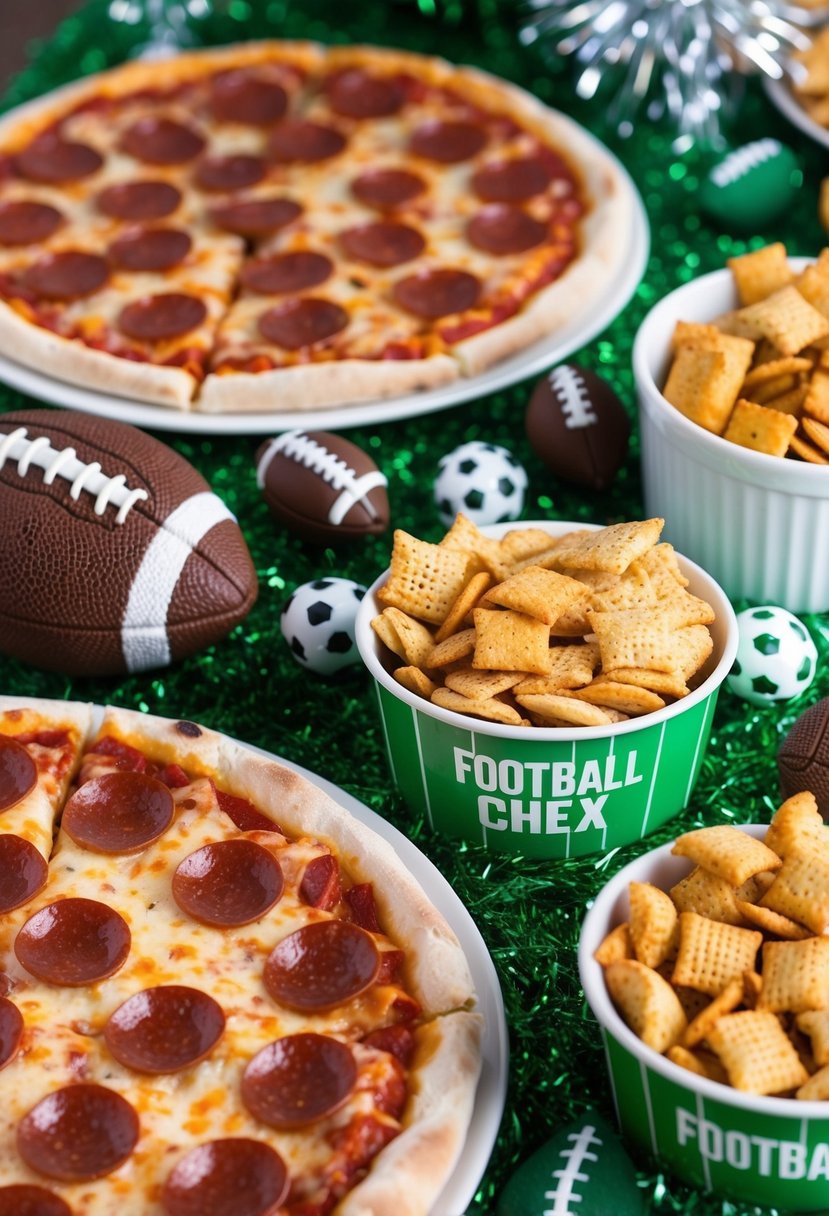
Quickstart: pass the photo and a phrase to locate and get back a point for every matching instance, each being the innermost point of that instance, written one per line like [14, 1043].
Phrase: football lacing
[563, 1195]
[743, 159]
[576, 404]
[64, 462]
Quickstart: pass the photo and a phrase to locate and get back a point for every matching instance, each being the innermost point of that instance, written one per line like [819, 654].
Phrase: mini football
[803, 758]
[322, 487]
[578, 426]
[115, 556]
[751, 185]
[581, 1171]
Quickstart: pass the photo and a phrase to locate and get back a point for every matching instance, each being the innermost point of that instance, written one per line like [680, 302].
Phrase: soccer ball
[482, 480]
[776, 657]
[318, 624]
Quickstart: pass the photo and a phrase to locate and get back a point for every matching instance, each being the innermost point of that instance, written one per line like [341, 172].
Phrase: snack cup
[757, 523]
[748, 1147]
[543, 791]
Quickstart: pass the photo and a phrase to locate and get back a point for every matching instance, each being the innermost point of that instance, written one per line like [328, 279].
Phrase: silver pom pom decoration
[674, 59]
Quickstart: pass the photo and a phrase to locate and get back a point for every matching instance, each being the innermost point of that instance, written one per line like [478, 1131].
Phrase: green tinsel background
[529, 912]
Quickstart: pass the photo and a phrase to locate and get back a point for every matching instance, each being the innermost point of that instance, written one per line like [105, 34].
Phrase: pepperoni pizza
[219, 993]
[281, 226]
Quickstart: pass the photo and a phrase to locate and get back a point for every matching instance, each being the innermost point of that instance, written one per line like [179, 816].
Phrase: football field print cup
[545, 791]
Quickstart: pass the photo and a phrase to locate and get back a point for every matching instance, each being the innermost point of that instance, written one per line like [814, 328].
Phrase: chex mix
[759, 375]
[585, 629]
[727, 974]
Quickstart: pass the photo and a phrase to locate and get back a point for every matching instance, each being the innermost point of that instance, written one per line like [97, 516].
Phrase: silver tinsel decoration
[677, 58]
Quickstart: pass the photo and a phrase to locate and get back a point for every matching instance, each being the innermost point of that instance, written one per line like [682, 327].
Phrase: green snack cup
[545, 791]
[747, 1147]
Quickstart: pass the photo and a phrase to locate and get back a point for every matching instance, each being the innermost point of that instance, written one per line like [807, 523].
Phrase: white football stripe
[144, 628]
[359, 489]
[270, 451]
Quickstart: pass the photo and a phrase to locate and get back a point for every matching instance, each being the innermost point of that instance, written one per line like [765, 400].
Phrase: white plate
[492, 1087]
[530, 361]
[780, 94]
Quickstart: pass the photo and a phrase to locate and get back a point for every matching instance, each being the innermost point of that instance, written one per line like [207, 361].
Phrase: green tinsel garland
[529, 912]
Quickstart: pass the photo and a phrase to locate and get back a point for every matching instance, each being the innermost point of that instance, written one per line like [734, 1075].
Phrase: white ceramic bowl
[755, 1149]
[759, 524]
[543, 791]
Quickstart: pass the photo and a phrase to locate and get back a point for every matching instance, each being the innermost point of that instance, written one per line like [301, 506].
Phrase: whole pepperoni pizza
[220, 995]
[282, 226]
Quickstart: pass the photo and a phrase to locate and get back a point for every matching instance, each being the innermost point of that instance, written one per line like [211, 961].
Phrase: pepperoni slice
[287, 272]
[150, 249]
[299, 139]
[21, 1199]
[298, 1080]
[168, 315]
[231, 882]
[11, 1030]
[118, 812]
[164, 1029]
[320, 886]
[78, 1133]
[73, 942]
[244, 814]
[227, 1178]
[246, 96]
[387, 188]
[383, 243]
[255, 216]
[437, 293]
[356, 93]
[448, 142]
[18, 772]
[512, 181]
[322, 965]
[143, 200]
[502, 229]
[229, 173]
[304, 322]
[66, 276]
[161, 141]
[27, 223]
[23, 871]
[50, 158]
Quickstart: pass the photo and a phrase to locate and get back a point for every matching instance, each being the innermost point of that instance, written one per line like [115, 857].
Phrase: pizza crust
[70, 361]
[409, 1173]
[313, 386]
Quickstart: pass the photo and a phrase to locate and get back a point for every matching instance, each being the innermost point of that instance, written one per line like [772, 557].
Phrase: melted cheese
[64, 1026]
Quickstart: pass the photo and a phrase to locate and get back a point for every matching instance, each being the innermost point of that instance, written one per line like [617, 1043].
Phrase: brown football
[803, 758]
[322, 486]
[115, 556]
[578, 426]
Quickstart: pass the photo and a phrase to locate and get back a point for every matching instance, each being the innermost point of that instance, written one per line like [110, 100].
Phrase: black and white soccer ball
[483, 481]
[776, 657]
[317, 622]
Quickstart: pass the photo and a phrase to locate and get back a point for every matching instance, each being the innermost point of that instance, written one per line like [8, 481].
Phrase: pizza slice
[242, 1002]
[40, 750]
[134, 311]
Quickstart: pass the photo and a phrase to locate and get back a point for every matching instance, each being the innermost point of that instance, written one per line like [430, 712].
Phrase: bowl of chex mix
[732, 373]
[545, 688]
[706, 964]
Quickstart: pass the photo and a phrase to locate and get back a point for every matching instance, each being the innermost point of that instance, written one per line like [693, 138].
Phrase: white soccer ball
[317, 622]
[776, 657]
[482, 480]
